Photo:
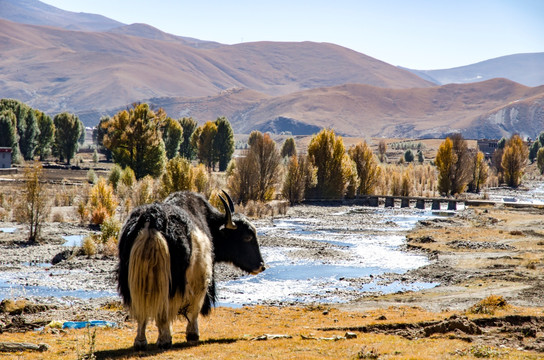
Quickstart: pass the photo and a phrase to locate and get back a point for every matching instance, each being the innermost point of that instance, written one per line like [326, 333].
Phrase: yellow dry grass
[231, 334]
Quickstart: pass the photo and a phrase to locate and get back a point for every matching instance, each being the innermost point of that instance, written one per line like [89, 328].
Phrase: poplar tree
[334, 169]
[223, 143]
[514, 160]
[68, 129]
[135, 140]
[186, 149]
[368, 171]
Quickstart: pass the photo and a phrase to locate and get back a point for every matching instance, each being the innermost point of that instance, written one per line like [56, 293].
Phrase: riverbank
[476, 253]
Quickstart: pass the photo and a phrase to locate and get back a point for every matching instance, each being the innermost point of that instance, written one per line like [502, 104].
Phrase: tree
[300, 176]
[223, 143]
[102, 201]
[533, 150]
[177, 176]
[382, 149]
[98, 136]
[288, 148]
[480, 172]
[68, 129]
[256, 176]
[328, 155]
[29, 134]
[368, 171]
[25, 127]
[420, 157]
[444, 164]
[540, 160]
[134, 138]
[172, 136]
[8, 134]
[460, 174]
[514, 160]
[34, 206]
[186, 148]
[46, 135]
[408, 156]
[206, 153]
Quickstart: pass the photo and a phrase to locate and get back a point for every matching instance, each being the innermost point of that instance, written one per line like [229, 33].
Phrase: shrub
[114, 176]
[201, 179]
[91, 176]
[109, 229]
[128, 178]
[58, 217]
[178, 176]
[88, 246]
[144, 192]
[488, 305]
[103, 202]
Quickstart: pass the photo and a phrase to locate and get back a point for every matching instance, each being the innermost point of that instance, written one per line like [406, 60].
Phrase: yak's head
[239, 244]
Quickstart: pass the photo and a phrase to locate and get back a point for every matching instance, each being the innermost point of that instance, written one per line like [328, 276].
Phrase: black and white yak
[166, 255]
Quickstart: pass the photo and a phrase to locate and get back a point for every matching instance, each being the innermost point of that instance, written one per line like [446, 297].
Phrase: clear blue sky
[419, 34]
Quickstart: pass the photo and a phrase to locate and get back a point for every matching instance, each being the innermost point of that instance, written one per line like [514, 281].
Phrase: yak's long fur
[149, 276]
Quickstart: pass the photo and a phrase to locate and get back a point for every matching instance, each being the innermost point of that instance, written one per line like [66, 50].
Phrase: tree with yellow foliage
[135, 140]
[368, 171]
[480, 172]
[334, 168]
[514, 160]
[177, 176]
[444, 163]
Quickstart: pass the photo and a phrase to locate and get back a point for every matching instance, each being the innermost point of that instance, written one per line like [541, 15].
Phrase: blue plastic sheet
[84, 324]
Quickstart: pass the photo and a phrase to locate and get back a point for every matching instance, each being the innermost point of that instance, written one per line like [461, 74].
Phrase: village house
[5, 157]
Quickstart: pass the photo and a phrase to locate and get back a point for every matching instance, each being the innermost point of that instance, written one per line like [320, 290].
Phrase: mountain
[56, 70]
[492, 109]
[35, 12]
[526, 69]
[56, 61]
[149, 32]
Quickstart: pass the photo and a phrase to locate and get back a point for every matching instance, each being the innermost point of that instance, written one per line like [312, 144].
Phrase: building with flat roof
[5, 157]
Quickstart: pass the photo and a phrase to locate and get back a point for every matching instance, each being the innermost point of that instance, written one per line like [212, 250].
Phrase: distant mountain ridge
[492, 109]
[56, 70]
[34, 12]
[269, 86]
[526, 69]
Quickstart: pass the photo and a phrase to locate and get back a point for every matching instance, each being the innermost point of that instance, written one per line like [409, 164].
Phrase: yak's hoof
[193, 338]
[140, 345]
[164, 345]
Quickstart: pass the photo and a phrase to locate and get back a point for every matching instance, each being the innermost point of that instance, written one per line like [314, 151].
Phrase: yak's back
[175, 225]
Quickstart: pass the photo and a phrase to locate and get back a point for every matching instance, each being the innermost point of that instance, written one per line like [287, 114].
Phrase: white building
[5, 157]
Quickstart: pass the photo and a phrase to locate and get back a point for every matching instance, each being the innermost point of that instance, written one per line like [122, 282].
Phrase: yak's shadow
[153, 350]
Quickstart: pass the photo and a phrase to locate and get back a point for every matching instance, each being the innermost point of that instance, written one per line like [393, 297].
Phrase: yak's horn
[231, 204]
[228, 213]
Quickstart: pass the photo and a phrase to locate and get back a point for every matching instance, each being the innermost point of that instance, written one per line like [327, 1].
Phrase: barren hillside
[55, 70]
[364, 110]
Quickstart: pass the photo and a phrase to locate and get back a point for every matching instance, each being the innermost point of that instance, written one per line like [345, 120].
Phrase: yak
[167, 251]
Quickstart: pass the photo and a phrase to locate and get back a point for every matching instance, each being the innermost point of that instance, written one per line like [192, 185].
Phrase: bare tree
[257, 175]
[33, 206]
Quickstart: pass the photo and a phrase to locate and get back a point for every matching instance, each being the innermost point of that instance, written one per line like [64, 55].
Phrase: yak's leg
[165, 334]
[140, 342]
[192, 326]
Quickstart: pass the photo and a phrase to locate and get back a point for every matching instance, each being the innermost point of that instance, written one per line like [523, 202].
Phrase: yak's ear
[228, 215]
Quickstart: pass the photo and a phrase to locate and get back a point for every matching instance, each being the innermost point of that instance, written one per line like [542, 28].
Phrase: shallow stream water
[369, 253]
[368, 249]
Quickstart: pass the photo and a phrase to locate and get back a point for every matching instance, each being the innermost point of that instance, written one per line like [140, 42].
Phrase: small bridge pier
[407, 201]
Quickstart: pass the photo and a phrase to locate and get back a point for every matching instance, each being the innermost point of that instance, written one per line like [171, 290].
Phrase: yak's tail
[149, 275]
